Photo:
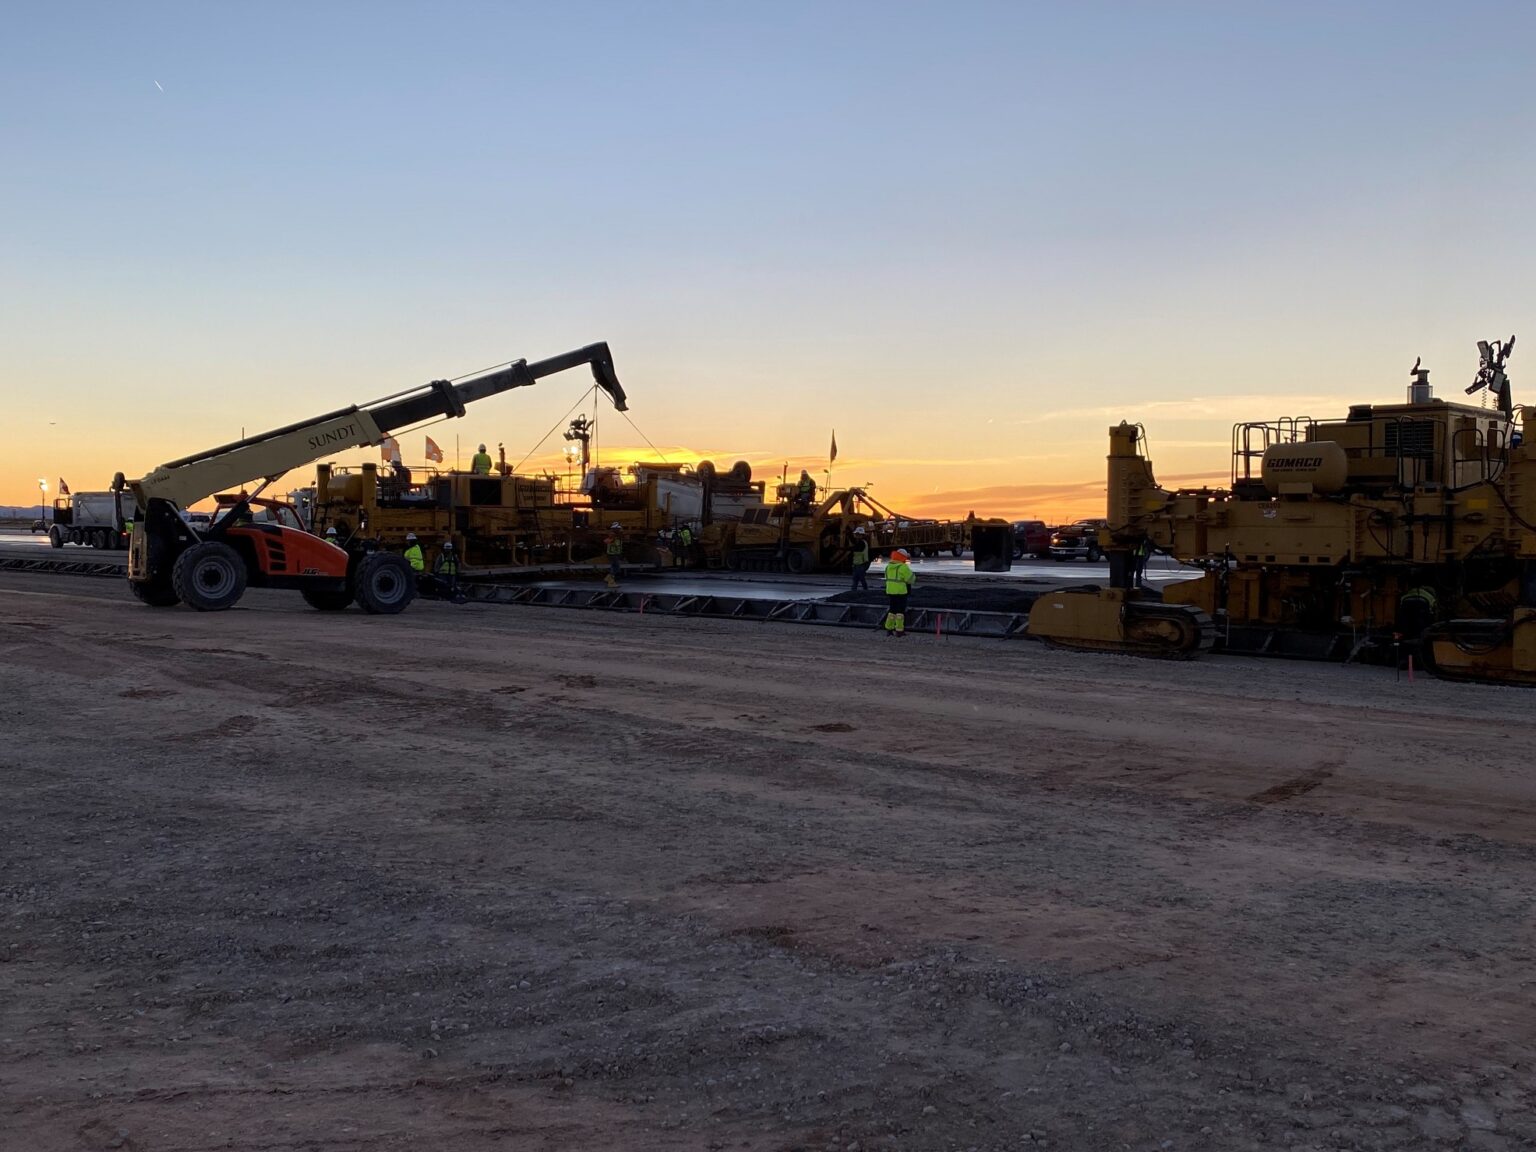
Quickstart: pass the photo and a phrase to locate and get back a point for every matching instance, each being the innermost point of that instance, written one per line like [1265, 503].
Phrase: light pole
[42, 499]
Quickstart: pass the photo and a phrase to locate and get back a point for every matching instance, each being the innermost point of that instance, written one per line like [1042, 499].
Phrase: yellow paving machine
[1328, 529]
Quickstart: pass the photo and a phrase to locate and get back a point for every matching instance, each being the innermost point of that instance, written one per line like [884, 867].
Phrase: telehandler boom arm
[192, 478]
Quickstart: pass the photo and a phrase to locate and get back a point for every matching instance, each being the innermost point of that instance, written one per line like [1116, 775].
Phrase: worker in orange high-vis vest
[898, 582]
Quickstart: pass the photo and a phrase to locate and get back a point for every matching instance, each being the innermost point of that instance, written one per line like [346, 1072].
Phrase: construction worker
[684, 546]
[481, 464]
[805, 491]
[330, 536]
[1416, 611]
[614, 546]
[898, 582]
[859, 554]
[413, 555]
[445, 573]
[1139, 556]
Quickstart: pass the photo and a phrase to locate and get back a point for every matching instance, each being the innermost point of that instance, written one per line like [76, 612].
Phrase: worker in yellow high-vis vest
[859, 557]
[481, 464]
[898, 583]
[413, 555]
[445, 573]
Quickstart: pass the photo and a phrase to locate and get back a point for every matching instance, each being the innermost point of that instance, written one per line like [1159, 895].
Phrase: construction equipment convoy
[170, 561]
[1327, 526]
[506, 523]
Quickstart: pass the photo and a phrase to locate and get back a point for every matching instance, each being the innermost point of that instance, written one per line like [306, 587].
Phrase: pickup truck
[1031, 538]
[1078, 541]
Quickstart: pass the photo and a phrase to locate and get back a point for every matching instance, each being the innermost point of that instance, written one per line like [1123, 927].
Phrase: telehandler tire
[384, 584]
[156, 593]
[327, 599]
[209, 576]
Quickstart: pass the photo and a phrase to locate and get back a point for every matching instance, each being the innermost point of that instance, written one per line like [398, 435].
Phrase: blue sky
[955, 232]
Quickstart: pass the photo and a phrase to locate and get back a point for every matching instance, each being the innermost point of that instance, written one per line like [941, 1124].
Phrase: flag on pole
[63, 487]
[433, 451]
[389, 450]
[833, 458]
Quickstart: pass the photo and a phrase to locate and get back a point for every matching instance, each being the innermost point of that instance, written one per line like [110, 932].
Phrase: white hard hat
[330, 531]
[858, 531]
[410, 536]
[482, 447]
[447, 545]
[615, 524]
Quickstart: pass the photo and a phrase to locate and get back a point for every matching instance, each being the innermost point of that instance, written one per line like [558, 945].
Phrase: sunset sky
[968, 236]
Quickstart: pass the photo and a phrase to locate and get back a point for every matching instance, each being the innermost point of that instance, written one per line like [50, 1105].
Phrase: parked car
[1031, 538]
[1078, 541]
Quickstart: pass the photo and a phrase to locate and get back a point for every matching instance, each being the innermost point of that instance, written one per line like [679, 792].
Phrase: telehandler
[171, 561]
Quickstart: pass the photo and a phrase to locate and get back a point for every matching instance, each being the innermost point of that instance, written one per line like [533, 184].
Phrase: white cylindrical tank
[1321, 465]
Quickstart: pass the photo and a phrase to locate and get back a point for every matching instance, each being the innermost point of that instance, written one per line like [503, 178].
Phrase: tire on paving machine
[209, 576]
[384, 583]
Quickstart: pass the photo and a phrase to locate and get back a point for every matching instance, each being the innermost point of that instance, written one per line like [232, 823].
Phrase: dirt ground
[520, 878]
